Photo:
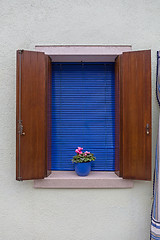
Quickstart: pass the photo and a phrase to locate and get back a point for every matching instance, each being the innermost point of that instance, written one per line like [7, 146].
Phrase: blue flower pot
[83, 169]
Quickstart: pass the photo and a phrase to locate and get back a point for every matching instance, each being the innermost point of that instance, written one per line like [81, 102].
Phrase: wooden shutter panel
[133, 74]
[48, 114]
[31, 115]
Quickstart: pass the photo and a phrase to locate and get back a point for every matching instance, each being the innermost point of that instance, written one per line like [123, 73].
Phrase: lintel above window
[83, 53]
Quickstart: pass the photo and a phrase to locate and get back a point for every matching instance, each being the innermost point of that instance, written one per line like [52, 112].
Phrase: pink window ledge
[96, 179]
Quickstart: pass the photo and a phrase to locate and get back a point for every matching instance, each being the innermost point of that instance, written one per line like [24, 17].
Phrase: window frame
[87, 53]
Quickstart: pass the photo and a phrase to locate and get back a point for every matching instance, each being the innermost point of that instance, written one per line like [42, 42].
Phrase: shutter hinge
[20, 51]
[19, 179]
[20, 128]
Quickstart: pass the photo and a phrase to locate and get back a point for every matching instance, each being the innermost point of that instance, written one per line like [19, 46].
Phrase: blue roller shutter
[83, 113]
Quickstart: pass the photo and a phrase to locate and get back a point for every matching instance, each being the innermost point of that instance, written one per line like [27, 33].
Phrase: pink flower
[78, 150]
[87, 152]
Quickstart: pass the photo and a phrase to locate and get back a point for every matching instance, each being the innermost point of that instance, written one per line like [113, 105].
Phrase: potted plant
[82, 162]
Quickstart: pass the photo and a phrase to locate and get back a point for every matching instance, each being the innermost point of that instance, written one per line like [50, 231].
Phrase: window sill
[69, 179]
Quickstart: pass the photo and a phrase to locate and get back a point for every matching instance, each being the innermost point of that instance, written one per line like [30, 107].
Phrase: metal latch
[147, 129]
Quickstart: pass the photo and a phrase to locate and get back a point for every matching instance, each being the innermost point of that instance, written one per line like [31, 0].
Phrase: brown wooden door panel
[31, 109]
[136, 114]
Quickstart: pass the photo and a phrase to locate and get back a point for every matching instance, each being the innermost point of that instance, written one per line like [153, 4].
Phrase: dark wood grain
[31, 162]
[48, 114]
[136, 113]
[17, 116]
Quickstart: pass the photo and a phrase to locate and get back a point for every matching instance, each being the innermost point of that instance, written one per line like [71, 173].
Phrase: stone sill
[96, 179]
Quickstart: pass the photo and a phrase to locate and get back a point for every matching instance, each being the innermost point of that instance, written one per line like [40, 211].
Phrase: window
[83, 113]
[132, 111]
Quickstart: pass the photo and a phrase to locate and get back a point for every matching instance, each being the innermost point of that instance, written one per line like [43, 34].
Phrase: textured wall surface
[27, 213]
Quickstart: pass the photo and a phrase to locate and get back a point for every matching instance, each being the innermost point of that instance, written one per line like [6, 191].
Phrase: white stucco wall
[27, 213]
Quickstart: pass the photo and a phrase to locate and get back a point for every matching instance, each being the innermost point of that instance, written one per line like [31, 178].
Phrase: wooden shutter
[32, 75]
[48, 113]
[133, 134]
